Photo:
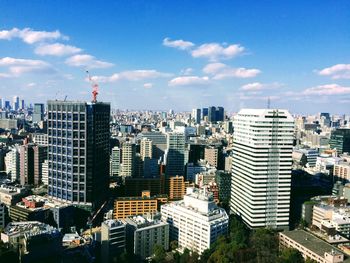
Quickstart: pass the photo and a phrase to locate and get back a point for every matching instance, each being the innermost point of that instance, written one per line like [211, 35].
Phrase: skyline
[160, 55]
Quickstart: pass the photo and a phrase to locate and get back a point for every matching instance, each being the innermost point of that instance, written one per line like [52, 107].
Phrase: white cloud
[31, 36]
[18, 66]
[180, 44]
[257, 86]
[213, 68]
[188, 81]
[148, 85]
[132, 75]
[215, 51]
[222, 71]
[329, 89]
[32, 84]
[339, 71]
[56, 49]
[87, 61]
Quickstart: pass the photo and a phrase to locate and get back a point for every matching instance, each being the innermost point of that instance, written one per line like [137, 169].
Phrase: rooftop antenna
[94, 86]
[268, 103]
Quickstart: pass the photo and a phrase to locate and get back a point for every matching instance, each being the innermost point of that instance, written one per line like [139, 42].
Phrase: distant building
[175, 161]
[196, 221]
[223, 181]
[211, 155]
[112, 239]
[340, 140]
[159, 142]
[128, 159]
[115, 161]
[12, 163]
[38, 114]
[146, 232]
[196, 115]
[2, 215]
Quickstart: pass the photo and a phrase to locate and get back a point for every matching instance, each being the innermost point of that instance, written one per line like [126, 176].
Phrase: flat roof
[311, 242]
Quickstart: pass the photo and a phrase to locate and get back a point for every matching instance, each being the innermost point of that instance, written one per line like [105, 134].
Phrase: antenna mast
[94, 86]
[268, 103]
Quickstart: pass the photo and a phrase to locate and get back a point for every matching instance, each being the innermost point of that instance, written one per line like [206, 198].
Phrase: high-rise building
[115, 161]
[340, 140]
[196, 115]
[211, 155]
[146, 148]
[2, 215]
[2, 103]
[216, 114]
[205, 112]
[112, 239]
[175, 161]
[261, 170]
[78, 151]
[12, 163]
[27, 164]
[15, 103]
[22, 105]
[196, 221]
[159, 142]
[38, 114]
[40, 155]
[128, 159]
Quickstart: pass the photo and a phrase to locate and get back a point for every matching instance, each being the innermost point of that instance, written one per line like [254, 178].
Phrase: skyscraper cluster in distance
[78, 176]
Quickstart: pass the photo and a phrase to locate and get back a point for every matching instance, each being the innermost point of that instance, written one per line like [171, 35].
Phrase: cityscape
[176, 146]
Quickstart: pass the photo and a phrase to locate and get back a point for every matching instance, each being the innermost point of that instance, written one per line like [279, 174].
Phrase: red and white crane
[94, 86]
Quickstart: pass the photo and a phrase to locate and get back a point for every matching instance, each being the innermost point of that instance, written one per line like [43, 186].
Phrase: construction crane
[94, 86]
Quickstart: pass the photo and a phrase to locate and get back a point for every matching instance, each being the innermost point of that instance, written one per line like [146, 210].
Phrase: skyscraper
[78, 155]
[175, 160]
[38, 114]
[196, 115]
[15, 103]
[115, 161]
[261, 171]
[146, 148]
[128, 159]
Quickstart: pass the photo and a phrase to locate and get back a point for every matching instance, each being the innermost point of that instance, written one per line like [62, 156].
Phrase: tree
[265, 243]
[174, 245]
[159, 254]
[291, 255]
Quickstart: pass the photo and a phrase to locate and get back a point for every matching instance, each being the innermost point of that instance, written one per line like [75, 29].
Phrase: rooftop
[311, 242]
[29, 228]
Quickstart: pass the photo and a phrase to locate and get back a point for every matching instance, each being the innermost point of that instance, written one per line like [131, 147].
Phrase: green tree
[159, 254]
[265, 243]
[291, 255]
[174, 245]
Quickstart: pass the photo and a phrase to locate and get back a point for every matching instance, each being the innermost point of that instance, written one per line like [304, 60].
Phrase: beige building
[146, 147]
[342, 170]
[321, 212]
[311, 247]
[211, 156]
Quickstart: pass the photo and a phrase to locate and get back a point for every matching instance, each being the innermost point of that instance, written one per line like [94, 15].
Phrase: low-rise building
[311, 247]
[137, 205]
[10, 195]
[145, 232]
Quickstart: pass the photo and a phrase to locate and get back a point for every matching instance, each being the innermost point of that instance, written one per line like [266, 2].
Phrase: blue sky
[179, 54]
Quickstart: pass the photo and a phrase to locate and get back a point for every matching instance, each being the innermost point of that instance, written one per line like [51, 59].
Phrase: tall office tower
[340, 140]
[27, 164]
[22, 105]
[220, 114]
[40, 155]
[7, 105]
[261, 170]
[212, 114]
[196, 115]
[12, 163]
[112, 239]
[205, 112]
[38, 114]
[146, 148]
[115, 161]
[15, 103]
[45, 172]
[159, 142]
[196, 221]
[78, 151]
[128, 159]
[2, 103]
[175, 161]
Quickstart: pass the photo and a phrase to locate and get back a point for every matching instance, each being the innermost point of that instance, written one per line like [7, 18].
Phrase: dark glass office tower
[340, 140]
[78, 151]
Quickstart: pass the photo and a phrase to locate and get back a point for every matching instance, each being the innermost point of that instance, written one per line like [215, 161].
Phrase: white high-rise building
[146, 147]
[115, 161]
[45, 172]
[261, 170]
[128, 159]
[12, 163]
[196, 221]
